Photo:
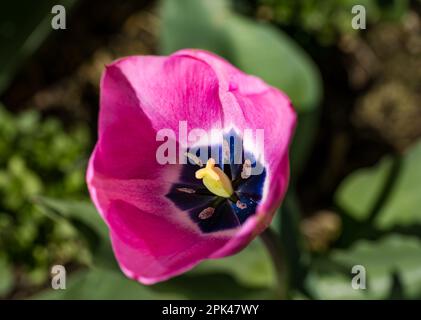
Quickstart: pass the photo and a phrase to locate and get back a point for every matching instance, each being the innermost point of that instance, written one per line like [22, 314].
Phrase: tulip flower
[164, 218]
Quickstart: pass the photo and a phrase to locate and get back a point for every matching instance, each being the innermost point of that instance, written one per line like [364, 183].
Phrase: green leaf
[325, 282]
[85, 218]
[102, 284]
[359, 192]
[251, 267]
[403, 206]
[108, 284]
[262, 50]
[384, 260]
[6, 276]
[81, 211]
[212, 285]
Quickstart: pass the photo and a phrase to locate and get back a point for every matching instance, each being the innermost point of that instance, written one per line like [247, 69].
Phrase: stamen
[195, 159]
[206, 213]
[215, 179]
[186, 190]
[246, 172]
[241, 205]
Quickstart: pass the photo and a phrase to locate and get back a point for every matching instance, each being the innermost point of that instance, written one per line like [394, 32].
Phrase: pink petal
[148, 195]
[173, 89]
[150, 248]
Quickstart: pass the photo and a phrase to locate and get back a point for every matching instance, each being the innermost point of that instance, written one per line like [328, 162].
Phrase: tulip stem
[274, 247]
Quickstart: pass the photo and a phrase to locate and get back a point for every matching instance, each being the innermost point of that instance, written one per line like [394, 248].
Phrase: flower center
[215, 180]
[228, 194]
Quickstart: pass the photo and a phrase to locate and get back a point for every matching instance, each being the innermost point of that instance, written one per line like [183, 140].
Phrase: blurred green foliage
[390, 262]
[328, 19]
[37, 156]
[382, 204]
[6, 275]
[402, 175]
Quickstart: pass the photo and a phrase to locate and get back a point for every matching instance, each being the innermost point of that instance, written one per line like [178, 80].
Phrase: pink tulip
[166, 218]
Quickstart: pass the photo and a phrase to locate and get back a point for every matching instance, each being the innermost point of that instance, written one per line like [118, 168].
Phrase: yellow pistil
[215, 179]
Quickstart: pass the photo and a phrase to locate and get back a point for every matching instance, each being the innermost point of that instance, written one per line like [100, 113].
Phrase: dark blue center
[211, 212]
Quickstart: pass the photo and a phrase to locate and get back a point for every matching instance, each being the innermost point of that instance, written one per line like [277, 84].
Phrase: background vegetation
[354, 195]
